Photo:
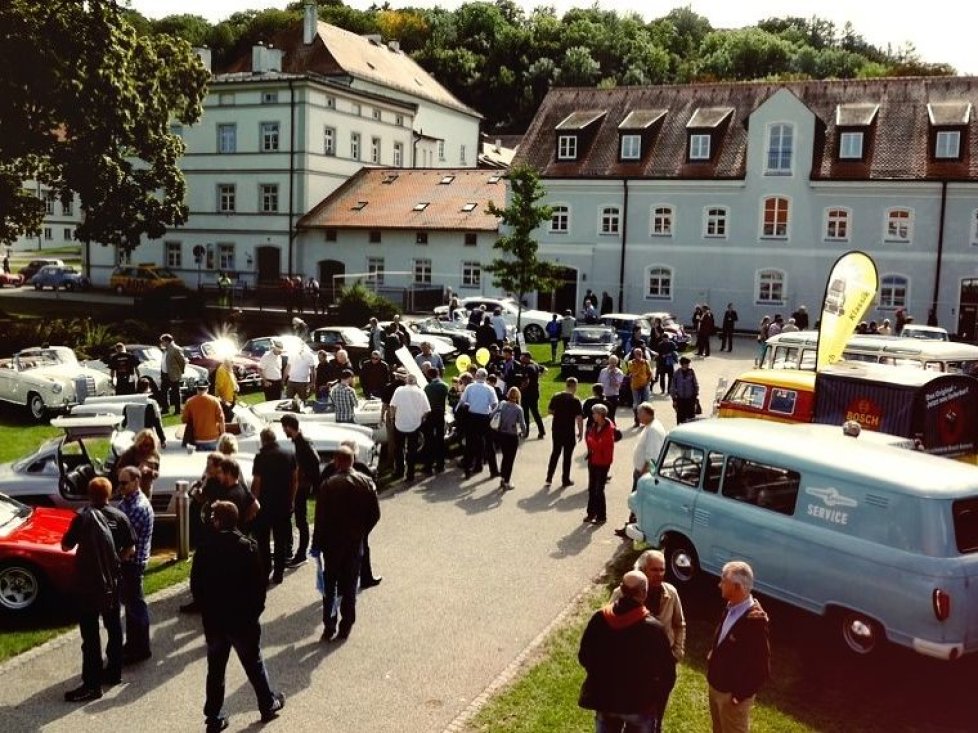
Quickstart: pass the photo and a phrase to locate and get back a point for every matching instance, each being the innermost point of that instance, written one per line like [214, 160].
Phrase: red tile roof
[392, 195]
[899, 150]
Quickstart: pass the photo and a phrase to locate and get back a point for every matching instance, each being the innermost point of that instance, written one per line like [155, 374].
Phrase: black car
[588, 351]
[333, 338]
[461, 337]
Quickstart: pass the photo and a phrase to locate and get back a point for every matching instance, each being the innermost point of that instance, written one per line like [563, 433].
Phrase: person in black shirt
[566, 410]
[596, 398]
[274, 483]
[308, 464]
[528, 380]
[485, 334]
[122, 368]
[392, 342]
[375, 374]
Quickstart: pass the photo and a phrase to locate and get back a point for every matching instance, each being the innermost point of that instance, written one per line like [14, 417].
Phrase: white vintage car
[48, 379]
[150, 358]
[367, 412]
[533, 322]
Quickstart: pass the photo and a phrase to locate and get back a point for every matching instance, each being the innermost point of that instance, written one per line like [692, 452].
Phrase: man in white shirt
[300, 370]
[651, 437]
[499, 325]
[480, 401]
[270, 366]
[409, 407]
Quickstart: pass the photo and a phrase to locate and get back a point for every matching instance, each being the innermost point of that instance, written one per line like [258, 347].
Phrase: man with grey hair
[427, 355]
[408, 408]
[739, 659]
[274, 483]
[480, 401]
[630, 668]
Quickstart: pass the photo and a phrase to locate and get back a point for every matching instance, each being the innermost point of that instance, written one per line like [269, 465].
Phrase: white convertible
[48, 379]
[150, 359]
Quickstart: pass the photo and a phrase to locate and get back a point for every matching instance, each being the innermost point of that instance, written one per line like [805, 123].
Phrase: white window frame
[471, 274]
[399, 120]
[227, 198]
[768, 280]
[268, 198]
[68, 208]
[851, 145]
[48, 234]
[609, 221]
[49, 198]
[461, 155]
[375, 270]
[716, 218]
[787, 223]
[357, 109]
[68, 233]
[376, 113]
[560, 219]
[375, 150]
[895, 232]
[225, 256]
[329, 140]
[269, 136]
[422, 271]
[398, 155]
[330, 102]
[355, 145]
[174, 254]
[567, 147]
[782, 157]
[664, 283]
[889, 284]
[699, 146]
[269, 97]
[974, 228]
[832, 219]
[947, 145]
[441, 150]
[227, 138]
[631, 147]
[662, 220]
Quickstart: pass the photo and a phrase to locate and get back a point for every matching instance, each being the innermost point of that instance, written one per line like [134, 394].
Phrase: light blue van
[880, 540]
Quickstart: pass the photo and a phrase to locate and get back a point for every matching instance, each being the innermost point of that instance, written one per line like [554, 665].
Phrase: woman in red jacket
[600, 454]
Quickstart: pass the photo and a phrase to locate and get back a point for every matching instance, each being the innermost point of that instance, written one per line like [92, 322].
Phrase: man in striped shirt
[139, 511]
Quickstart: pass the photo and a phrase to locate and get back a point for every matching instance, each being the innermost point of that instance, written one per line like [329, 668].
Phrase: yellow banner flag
[849, 294]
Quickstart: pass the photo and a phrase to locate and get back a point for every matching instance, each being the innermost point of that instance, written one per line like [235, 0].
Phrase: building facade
[61, 218]
[671, 196]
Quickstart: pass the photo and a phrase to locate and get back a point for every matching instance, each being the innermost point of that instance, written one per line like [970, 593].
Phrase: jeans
[92, 645]
[137, 612]
[434, 443]
[597, 476]
[246, 642]
[479, 447]
[624, 722]
[508, 444]
[279, 530]
[302, 519]
[531, 407]
[553, 349]
[561, 444]
[640, 395]
[410, 440]
[340, 575]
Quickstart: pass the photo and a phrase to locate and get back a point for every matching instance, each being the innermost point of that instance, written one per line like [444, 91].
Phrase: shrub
[357, 304]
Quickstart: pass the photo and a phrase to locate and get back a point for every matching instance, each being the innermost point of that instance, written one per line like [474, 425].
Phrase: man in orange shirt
[204, 418]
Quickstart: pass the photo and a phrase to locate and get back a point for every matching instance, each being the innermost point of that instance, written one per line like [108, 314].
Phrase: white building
[59, 224]
[282, 128]
[670, 196]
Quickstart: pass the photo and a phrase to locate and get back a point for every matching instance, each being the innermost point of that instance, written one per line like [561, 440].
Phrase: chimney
[265, 59]
[394, 46]
[310, 23]
[204, 54]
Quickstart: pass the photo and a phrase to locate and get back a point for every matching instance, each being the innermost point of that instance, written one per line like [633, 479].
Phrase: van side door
[667, 502]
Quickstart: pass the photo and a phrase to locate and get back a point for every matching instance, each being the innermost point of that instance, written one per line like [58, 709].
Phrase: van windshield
[966, 524]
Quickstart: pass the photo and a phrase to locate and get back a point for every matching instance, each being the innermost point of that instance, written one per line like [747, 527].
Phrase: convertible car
[48, 379]
[150, 358]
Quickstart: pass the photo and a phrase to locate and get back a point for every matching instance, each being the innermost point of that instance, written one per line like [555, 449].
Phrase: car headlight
[57, 387]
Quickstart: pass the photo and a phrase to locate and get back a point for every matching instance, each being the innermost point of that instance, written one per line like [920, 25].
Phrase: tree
[520, 271]
[85, 108]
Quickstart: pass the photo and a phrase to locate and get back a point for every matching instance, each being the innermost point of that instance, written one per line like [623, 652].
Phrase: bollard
[183, 520]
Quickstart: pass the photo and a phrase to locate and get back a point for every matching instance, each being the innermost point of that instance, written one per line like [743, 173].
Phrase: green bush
[356, 305]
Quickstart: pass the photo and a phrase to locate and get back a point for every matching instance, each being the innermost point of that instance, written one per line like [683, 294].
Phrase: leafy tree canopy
[86, 105]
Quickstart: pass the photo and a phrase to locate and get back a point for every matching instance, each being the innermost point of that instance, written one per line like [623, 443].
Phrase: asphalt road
[471, 577]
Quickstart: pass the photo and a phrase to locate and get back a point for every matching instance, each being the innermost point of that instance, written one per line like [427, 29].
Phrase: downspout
[291, 169]
[624, 240]
[940, 252]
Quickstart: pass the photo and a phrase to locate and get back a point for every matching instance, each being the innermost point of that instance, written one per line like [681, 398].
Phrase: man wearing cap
[122, 368]
[270, 366]
[480, 401]
[204, 419]
[344, 398]
[299, 373]
[409, 407]
[375, 374]
[171, 372]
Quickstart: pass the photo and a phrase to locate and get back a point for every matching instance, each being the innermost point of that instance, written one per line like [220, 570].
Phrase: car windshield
[163, 272]
[355, 337]
[926, 334]
[150, 353]
[219, 349]
[11, 512]
[47, 448]
[37, 359]
[591, 336]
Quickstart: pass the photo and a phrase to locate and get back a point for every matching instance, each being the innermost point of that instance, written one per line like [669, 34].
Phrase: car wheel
[35, 404]
[860, 634]
[681, 560]
[534, 334]
[69, 286]
[37, 286]
[119, 290]
[21, 586]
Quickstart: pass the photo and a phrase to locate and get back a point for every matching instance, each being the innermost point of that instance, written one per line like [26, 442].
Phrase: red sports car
[31, 559]
[12, 279]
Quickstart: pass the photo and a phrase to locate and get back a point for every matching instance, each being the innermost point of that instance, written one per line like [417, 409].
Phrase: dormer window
[699, 147]
[948, 145]
[637, 131]
[631, 147]
[851, 146]
[567, 147]
[421, 206]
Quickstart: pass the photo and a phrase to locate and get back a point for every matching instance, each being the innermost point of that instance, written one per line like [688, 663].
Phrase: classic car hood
[61, 372]
[588, 351]
[45, 526]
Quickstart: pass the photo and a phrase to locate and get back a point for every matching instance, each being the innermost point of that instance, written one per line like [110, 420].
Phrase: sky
[929, 26]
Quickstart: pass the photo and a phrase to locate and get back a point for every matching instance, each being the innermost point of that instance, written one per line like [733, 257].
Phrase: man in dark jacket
[102, 535]
[228, 584]
[346, 511]
[630, 668]
[739, 659]
[685, 392]
[729, 323]
[307, 461]
[375, 374]
[274, 484]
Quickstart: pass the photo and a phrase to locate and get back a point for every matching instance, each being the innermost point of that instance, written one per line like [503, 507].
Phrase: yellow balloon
[462, 362]
[482, 356]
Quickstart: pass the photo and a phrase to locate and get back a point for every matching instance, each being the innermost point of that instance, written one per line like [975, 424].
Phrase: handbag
[699, 407]
[495, 420]
[618, 435]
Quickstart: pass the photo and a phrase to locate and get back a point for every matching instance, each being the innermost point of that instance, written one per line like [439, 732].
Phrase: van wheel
[681, 560]
[860, 634]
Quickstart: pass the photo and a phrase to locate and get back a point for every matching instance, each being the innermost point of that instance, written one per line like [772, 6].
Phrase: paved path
[471, 576]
